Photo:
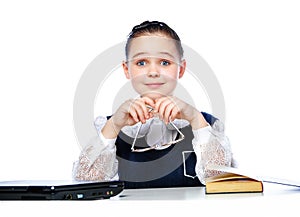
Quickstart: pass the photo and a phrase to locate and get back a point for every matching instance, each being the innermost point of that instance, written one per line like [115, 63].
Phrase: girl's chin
[153, 96]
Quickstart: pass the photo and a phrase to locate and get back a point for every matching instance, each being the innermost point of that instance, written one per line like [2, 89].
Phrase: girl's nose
[153, 71]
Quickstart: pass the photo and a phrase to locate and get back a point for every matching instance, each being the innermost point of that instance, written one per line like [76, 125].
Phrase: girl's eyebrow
[150, 55]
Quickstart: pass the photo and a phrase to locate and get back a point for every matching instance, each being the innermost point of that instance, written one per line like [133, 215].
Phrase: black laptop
[59, 190]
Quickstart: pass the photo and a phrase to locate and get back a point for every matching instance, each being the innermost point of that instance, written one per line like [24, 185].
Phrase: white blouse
[97, 160]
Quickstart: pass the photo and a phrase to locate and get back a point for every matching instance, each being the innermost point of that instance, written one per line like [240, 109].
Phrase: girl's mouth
[154, 85]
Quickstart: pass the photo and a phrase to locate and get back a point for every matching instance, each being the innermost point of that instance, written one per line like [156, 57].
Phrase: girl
[157, 139]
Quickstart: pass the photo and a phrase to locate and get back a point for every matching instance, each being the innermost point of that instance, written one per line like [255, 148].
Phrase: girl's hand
[133, 111]
[171, 107]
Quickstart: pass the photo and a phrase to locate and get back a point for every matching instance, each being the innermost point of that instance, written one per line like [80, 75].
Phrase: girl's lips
[154, 85]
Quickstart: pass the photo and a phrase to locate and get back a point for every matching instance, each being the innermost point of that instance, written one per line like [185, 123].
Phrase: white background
[253, 48]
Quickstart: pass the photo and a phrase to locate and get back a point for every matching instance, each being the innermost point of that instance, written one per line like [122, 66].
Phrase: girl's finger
[168, 110]
[148, 101]
[133, 114]
[162, 108]
[143, 108]
[140, 113]
[158, 102]
[174, 113]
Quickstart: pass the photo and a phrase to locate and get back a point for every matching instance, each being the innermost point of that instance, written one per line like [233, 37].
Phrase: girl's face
[154, 65]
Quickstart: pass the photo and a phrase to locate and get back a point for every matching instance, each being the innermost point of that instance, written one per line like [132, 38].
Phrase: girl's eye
[165, 63]
[141, 63]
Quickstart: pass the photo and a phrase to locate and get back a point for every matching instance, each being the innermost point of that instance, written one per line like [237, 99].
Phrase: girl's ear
[182, 68]
[125, 69]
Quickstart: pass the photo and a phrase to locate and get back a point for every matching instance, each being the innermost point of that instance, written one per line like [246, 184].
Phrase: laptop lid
[59, 190]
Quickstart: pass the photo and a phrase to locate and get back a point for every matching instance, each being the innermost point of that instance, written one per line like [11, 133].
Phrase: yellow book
[232, 181]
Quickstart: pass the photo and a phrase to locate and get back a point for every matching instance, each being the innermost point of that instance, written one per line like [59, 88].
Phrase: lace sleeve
[211, 147]
[103, 168]
[97, 161]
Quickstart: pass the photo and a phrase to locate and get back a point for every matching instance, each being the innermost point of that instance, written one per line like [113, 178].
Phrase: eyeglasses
[157, 145]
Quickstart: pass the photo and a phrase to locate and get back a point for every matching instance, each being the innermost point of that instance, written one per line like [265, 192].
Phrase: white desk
[277, 200]
[198, 193]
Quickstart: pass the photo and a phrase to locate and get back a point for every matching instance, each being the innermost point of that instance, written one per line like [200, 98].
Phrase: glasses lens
[133, 149]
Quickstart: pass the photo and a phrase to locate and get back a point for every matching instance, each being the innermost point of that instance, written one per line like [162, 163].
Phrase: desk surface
[276, 200]
[198, 193]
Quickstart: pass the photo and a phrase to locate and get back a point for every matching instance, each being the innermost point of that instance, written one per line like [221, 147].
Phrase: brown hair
[150, 27]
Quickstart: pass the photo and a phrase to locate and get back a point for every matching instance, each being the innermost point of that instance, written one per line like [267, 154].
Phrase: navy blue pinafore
[158, 168]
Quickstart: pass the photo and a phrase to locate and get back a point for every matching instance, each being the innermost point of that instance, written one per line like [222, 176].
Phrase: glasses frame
[157, 145]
